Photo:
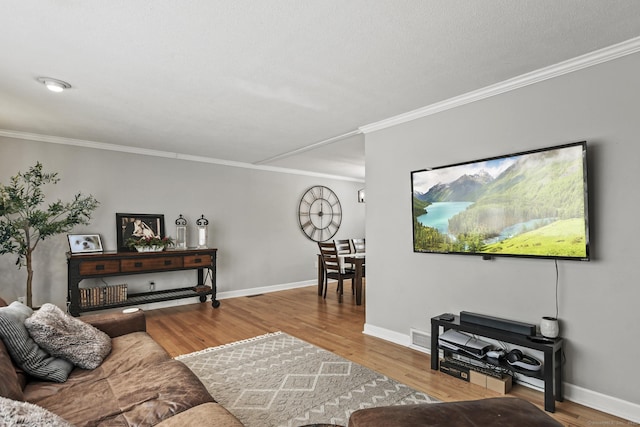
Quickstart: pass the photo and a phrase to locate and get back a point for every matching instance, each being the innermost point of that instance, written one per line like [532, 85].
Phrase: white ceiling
[283, 83]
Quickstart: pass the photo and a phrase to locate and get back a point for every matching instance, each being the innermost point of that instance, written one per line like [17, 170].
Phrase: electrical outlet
[22, 300]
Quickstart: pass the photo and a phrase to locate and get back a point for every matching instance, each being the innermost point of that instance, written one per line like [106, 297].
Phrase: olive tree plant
[24, 221]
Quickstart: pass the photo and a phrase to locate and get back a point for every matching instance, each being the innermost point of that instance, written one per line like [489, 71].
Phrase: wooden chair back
[343, 246]
[358, 245]
[329, 257]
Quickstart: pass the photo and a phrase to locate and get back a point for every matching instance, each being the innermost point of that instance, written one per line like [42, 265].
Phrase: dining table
[358, 261]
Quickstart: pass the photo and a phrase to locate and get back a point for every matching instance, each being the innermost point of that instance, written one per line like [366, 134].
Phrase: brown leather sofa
[138, 384]
[491, 412]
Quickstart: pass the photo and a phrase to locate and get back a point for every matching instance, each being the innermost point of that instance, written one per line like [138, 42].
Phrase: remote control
[447, 317]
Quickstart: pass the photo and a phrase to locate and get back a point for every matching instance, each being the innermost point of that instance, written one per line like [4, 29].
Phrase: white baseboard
[611, 405]
[387, 335]
[601, 402]
[223, 295]
[267, 289]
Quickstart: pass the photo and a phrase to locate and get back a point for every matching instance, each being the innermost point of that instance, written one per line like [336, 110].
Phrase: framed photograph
[84, 243]
[137, 226]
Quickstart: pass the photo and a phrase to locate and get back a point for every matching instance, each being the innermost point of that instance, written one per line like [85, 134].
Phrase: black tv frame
[487, 254]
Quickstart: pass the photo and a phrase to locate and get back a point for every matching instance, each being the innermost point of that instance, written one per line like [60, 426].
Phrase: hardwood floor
[337, 328]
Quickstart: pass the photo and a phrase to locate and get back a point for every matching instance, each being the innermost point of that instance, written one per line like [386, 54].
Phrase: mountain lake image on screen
[529, 204]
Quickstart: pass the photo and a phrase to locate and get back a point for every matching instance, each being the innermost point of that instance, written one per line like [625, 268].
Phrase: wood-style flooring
[337, 328]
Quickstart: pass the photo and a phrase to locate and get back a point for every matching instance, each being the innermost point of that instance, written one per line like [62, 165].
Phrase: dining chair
[359, 248]
[344, 247]
[332, 268]
[358, 245]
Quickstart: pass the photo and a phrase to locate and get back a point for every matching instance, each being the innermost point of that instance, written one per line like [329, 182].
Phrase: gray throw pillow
[67, 337]
[15, 413]
[23, 349]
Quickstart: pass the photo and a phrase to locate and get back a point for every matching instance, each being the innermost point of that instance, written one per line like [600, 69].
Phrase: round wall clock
[319, 213]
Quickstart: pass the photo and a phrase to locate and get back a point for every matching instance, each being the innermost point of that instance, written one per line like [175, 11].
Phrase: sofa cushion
[14, 413]
[207, 414]
[10, 383]
[67, 337]
[128, 352]
[143, 396]
[23, 349]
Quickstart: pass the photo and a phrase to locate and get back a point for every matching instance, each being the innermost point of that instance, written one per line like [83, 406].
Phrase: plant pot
[155, 248]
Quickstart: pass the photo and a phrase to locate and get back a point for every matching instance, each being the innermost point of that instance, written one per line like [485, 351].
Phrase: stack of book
[103, 295]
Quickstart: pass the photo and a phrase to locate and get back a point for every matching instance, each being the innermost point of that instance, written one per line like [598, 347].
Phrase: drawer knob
[137, 264]
[197, 260]
[167, 262]
[100, 267]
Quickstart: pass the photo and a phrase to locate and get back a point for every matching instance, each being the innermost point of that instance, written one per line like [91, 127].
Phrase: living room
[253, 221]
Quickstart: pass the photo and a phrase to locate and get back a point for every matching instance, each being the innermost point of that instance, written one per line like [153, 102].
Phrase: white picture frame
[84, 243]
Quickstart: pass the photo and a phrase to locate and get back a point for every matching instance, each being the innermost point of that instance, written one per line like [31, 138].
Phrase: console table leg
[73, 297]
[214, 289]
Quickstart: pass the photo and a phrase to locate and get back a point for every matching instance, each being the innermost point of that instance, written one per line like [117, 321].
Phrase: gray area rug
[279, 380]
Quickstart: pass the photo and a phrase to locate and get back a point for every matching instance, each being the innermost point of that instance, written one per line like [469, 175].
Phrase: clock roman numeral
[313, 233]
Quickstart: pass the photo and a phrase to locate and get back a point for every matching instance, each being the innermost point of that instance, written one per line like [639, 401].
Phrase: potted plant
[24, 222]
[149, 243]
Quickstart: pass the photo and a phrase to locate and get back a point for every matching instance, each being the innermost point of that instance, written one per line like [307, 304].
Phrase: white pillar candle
[202, 237]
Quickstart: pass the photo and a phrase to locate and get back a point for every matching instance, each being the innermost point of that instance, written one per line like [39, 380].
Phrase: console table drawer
[197, 260]
[160, 263]
[89, 268]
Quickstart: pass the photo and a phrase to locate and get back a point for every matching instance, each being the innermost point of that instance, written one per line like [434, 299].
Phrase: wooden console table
[104, 264]
[551, 372]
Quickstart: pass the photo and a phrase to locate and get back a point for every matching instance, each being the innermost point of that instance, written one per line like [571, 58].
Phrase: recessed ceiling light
[54, 85]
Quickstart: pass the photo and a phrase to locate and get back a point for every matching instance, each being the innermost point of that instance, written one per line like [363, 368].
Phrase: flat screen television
[528, 204]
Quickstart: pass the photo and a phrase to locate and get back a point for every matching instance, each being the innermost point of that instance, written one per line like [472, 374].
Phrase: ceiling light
[54, 85]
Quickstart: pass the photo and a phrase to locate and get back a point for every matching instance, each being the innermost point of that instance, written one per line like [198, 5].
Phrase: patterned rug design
[279, 380]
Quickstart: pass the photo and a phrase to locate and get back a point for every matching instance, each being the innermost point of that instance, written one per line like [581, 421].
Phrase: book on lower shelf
[103, 295]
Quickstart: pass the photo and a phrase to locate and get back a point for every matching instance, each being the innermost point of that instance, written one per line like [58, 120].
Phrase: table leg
[358, 281]
[320, 275]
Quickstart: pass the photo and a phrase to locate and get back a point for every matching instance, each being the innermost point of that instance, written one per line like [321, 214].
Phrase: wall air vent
[420, 341]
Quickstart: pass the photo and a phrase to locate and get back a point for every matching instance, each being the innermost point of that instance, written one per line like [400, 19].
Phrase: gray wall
[598, 299]
[252, 215]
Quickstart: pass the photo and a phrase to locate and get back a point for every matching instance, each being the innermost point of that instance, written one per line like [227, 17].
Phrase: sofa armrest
[117, 324]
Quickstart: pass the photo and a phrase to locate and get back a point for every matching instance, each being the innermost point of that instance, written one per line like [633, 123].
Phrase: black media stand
[552, 365]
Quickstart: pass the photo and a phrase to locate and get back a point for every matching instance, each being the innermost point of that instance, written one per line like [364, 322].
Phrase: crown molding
[310, 147]
[165, 154]
[606, 54]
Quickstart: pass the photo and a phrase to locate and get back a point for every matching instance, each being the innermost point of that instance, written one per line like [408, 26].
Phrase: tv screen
[529, 204]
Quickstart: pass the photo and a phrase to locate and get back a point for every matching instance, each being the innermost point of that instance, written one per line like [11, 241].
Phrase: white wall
[598, 299]
[252, 216]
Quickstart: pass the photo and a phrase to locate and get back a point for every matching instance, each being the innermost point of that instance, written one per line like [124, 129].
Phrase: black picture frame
[130, 225]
